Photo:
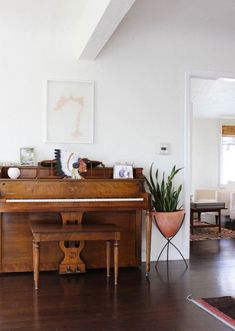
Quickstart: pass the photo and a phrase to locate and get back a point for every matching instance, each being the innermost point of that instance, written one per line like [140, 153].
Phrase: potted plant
[167, 214]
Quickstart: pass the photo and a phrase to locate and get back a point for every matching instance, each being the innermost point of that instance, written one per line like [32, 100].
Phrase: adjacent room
[102, 143]
[213, 156]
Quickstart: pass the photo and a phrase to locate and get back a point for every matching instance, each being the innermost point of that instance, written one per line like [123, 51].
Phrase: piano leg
[36, 261]
[148, 220]
[108, 257]
[116, 255]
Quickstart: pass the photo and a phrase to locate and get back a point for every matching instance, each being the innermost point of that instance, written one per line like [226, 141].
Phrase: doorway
[199, 87]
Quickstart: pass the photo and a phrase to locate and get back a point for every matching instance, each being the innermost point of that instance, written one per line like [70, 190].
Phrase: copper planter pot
[169, 223]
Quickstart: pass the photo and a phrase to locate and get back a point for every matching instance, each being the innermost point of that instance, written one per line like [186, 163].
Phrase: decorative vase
[169, 223]
[13, 172]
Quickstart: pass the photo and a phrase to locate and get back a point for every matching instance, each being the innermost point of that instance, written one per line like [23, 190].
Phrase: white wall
[205, 153]
[37, 41]
[139, 78]
[206, 135]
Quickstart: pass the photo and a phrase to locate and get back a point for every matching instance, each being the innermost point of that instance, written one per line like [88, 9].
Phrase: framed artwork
[69, 111]
[27, 156]
[123, 171]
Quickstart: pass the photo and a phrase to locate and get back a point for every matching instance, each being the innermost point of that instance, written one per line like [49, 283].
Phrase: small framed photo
[27, 156]
[123, 171]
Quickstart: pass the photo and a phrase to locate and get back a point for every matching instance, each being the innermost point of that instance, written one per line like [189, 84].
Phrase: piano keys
[91, 200]
[99, 200]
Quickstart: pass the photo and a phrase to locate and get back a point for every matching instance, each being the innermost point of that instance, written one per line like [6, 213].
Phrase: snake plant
[165, 197]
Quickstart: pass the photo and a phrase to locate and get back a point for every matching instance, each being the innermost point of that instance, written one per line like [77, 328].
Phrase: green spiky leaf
[165, 197]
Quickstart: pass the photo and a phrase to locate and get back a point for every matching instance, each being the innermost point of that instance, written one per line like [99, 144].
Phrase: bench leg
[116, 253]
[36, 260]
[108, 257]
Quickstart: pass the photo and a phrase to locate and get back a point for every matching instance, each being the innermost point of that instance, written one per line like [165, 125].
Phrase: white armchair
[214, 195]
[224, 196]
[205, 195]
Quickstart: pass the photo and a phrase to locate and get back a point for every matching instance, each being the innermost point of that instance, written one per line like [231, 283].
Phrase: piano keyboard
[74, 200]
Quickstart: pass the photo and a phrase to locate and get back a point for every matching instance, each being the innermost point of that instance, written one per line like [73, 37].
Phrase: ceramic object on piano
[13, 172]
[92, 164]
[69, 164]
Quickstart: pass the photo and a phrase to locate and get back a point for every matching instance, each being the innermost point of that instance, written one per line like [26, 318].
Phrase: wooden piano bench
[43, 231]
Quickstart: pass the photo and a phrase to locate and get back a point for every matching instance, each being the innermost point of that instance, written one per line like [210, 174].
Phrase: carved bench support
[72, 262]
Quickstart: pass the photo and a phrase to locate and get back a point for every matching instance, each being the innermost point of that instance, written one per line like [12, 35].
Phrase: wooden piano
[96, 199]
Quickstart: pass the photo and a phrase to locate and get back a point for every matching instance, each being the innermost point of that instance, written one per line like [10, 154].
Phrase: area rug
[223, 308]
[211, 233]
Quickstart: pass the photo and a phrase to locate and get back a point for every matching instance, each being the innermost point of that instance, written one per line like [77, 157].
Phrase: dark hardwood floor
[89, 302]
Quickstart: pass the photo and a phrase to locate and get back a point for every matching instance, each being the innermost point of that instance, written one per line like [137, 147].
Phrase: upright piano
[96, 199]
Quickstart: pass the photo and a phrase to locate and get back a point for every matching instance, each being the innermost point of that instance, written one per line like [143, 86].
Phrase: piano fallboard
[60, 205]
[69, 188]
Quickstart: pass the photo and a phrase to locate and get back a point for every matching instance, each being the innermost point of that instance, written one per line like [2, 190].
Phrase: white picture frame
[69, 111]
[27, 156]
[122, 171]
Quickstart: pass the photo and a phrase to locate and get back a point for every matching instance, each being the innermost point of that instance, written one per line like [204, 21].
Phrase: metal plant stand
[168, 243]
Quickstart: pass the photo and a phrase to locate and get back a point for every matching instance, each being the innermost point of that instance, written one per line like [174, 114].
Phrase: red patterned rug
[210, 233]
[223, 308]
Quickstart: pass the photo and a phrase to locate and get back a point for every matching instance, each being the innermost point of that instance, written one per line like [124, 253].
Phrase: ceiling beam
[98, 22]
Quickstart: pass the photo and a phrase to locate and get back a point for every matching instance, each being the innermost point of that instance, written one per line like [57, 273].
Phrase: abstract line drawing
[69, 113]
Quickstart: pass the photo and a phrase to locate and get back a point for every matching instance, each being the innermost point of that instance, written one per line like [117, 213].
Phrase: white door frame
[188, 114]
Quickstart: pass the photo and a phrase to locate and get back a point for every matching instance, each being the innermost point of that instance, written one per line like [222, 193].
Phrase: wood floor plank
[88, 302]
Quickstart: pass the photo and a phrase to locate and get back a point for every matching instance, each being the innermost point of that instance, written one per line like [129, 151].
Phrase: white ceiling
[95, 20]
[213, 98]
[14, 11]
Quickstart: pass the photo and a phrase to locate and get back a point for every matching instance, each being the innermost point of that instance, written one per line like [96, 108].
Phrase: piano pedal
[78, 270]
[68, 270]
